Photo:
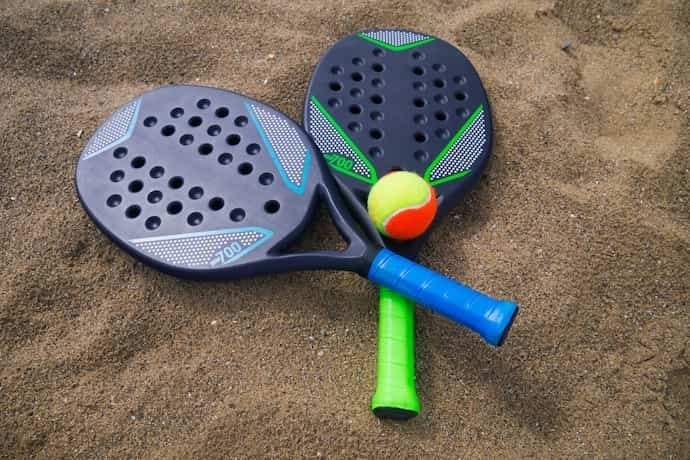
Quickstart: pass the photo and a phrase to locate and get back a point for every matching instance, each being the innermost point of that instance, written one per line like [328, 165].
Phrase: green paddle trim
[446, 149]
[393, 47]
[330, 155]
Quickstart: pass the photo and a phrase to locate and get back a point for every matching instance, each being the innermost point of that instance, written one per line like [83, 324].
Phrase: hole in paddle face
[225, 158]
[421, 155]
[120, 152]
[237, 215]
[356, 76]
[213, 130]
[176, 182]
[421, 119]
[233, 139]
[150, 122]
[376, 134]
[195, 121]
[441, 116]
[168, 130]
[334, 102]
[376, 152]
[177, 112]
[153, 222]
[117, 176]
[245, 168]
[205, 149]
[266, 179]
[174, 207]
[114, 200]
[132, 212]
[157, 172]
[271, 206]
[355, 126]
[335, 86]
[337, 70]
[222, 112]
[135, 186]
[203, 104]
[196, 192]
[216, 203]
[420, 137]
[187, 139]
[154, 197]
[253, 149]
[358, 61]
[442, 133]
[378, 83]
[356, 92]
[138, 162]
[462, 112]
[355, 109]
[195, 219]
[241, 121]
[459, 79]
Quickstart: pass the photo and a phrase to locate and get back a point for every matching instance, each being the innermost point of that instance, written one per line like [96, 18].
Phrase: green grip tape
[395, 396]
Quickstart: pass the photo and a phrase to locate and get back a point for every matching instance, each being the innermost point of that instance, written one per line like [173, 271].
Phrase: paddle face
[204, 183]
[385, 100]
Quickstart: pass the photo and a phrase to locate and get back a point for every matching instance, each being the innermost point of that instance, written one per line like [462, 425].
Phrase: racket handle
[395, 395]
[490, 318]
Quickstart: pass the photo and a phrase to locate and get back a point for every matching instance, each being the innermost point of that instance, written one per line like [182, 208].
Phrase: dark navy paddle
[386, 100]
[208, 184]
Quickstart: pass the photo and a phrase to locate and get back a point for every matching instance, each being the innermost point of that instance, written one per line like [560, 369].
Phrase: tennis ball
[402, 205]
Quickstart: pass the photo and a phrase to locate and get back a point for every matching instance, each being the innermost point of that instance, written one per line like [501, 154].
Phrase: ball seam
[407, 208]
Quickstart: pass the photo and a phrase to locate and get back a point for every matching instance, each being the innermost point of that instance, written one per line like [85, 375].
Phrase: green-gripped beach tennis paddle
[385, 100]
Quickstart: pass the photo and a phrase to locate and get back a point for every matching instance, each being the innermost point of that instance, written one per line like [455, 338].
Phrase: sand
[582, 217]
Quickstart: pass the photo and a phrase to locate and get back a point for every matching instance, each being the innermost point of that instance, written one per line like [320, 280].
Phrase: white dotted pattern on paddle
[286, 142]
[201, 249]
[396, 37]
[464, 152]
[328, 140]
[112, 131]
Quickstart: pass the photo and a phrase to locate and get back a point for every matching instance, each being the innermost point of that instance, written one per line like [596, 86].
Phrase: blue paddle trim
[221, 257]
[128, 133]
[307, 160]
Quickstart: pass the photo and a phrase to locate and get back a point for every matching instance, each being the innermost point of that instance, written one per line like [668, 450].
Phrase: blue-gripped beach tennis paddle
[386, 100]
[207, 184]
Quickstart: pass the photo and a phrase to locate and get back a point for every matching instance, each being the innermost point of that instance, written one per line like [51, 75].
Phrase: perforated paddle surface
[384, 100]
[194, 179]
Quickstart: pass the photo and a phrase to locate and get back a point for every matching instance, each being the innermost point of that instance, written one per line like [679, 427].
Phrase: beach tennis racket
[207, 184]
[387, 100]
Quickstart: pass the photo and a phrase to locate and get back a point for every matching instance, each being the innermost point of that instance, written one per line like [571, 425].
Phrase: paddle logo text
[339, 162]
[227, 254]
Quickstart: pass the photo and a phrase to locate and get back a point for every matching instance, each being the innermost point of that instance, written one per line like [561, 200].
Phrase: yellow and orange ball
[402, 205]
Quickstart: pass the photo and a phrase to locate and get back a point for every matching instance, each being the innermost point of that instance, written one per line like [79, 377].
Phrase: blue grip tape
[490, 318]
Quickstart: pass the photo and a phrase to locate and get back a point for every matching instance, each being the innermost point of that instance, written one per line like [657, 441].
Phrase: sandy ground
[583, 218]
